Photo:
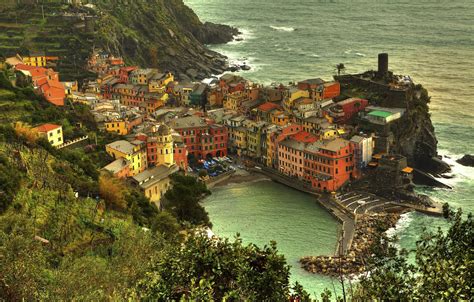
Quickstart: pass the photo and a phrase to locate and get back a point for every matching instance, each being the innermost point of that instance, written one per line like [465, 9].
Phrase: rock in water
[466, 160]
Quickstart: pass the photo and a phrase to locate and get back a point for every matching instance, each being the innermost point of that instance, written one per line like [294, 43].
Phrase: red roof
[304, 137]
[268, 106]
[46, 128]
[24, 67]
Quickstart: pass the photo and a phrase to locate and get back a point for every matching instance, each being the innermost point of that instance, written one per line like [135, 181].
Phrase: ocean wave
[359, 54]
[459, 172]
[244, 35]
[282, 28]
[402, 224]
[315, 55]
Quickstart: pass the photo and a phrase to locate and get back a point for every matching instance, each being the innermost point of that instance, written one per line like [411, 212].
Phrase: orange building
[331, 90]
[328, 164]
[45, 81]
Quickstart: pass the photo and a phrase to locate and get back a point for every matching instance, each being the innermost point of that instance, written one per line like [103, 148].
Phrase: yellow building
[158, 82]
[164, 146]
[280, 118]
[294, 94]
[134, 151]
[35, 59]
[254, 139]
[120, 127]
[329, 133]
[53, 133]
[233, 101]
[155, 182]
[239, 140]
[70, 87]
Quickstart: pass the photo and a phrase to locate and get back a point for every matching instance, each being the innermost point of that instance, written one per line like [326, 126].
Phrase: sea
[289, 40]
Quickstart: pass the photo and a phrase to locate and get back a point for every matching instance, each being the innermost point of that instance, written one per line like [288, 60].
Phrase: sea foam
[282, 28]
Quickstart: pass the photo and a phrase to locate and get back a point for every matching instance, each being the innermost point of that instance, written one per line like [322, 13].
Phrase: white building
[363, 150]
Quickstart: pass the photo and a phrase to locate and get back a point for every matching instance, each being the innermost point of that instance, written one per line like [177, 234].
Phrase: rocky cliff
[153, 33]
[414, 134]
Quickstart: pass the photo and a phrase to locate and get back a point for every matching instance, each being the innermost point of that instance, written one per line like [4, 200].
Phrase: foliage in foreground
[443, 270]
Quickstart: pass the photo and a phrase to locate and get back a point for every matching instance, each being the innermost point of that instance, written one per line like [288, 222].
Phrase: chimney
[383, 64]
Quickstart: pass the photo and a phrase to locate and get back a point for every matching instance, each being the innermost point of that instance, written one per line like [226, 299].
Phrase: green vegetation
[443, 270]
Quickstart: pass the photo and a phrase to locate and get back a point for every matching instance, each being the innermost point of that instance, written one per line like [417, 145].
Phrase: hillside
[157, 33]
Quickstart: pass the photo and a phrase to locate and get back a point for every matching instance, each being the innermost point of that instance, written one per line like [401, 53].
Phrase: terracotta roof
[304, 137]
[46, 128]
[268, 106]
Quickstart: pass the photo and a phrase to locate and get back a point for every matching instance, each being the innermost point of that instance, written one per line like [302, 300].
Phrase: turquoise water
[433, 41]
[264, 211]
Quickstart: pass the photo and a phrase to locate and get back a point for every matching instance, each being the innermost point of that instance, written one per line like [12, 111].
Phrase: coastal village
[307, 135]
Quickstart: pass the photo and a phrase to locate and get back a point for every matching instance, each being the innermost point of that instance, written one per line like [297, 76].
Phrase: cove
[264, 211]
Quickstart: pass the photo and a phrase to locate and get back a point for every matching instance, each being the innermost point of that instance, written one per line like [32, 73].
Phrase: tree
[444, 268]
[215, 269]
[112, 190]
[183, 200]
[340, 68]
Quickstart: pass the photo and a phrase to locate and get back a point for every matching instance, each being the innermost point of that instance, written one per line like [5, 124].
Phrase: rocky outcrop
[466, 160]
[369, 239]
[413, 135]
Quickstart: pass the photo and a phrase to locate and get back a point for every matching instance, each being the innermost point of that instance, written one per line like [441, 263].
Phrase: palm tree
[340, 67]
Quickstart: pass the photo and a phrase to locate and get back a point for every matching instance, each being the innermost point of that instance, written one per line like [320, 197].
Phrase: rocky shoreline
[369, 233]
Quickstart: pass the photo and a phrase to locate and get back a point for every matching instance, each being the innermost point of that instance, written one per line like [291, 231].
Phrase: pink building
[291, 154]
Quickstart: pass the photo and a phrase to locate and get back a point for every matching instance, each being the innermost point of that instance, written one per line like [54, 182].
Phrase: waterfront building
[201, 139]
[293, 94]
[53, 133]
[342, 112]
[331, 90]
[154, 182]
[180, 153]
[363, 147]
[383, 116]
[328, 164]
[134, 152]
[254, 139]
[231, 83]
[291, 153]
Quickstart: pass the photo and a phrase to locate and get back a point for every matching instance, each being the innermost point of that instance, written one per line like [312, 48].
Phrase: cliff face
[414, 134]
[150, 33]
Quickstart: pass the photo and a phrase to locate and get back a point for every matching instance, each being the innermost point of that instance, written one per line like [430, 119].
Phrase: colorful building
[233, 101]
[328, 164]
[363, 147]
[154, 182]
[119, 168]
[331, 90]
[134, 152]
[36, 59]
[53, 133]
[293, 94]
[342, 112]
